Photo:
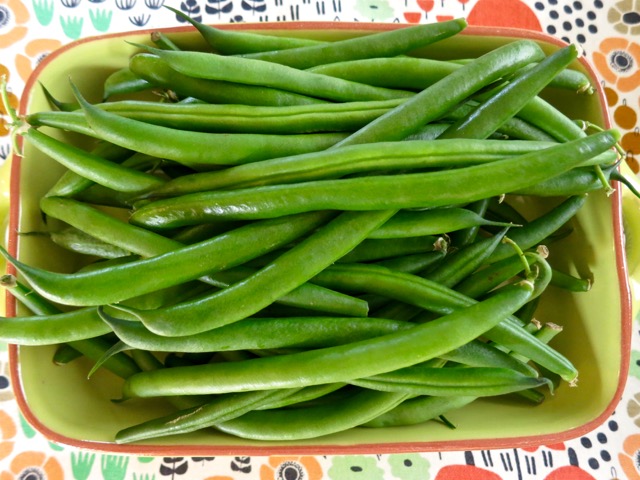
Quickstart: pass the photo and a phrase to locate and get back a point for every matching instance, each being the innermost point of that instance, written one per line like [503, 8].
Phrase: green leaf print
[81, 464]
[101, 19]
[71, 26]
[44, 11]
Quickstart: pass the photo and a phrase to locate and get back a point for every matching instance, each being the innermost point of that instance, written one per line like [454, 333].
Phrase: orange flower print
[290, 467]
[630, 457]
[13, 17]
[618, 62]
[32, 464]
[7, 432]
[34, 52]
[13, 103]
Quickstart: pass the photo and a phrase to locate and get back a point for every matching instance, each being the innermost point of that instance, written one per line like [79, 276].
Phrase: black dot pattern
[595, 446]
[578, 19]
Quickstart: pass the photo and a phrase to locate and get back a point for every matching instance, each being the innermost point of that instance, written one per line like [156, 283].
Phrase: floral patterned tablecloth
[608, 31]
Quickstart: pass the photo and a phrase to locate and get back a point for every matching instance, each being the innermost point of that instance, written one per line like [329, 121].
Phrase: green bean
[394, 72]
[577, 181]
[258, 333]
[379, 44]
[535, 231]
[288, 271]
[230, 42]
[458, 265]
[123, 81]
[198, 149]
[378, 249]
[77, 241]
[224, 118]
[107, 227]
[512, 98]
[120, 282]
[569, 282]
[488, 278]
[464, 381]
[148, 244]
[436, 100]
[340, 363]
[419, 190]
[414, 263]
[158, 73]
[219, 409]
[161, 40]
[91, 166]
[65, 354]
[328, 164]
[81, 329]
[467, 235]
[211, 66]
[71, 183]
[432, 222]
[418, 410]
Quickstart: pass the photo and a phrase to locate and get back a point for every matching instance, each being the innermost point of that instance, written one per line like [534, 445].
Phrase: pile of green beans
[292, 242]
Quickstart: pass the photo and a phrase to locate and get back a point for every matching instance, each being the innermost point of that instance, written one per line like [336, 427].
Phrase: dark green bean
[510, 100]
[537, 230]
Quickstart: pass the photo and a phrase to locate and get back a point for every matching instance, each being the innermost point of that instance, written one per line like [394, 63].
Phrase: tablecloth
[609, 34]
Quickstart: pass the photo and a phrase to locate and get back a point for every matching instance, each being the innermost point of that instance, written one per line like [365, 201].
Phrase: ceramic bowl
[66, 407]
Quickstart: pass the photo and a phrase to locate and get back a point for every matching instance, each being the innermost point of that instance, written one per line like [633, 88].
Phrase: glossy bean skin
[379, 157]
[419, 190]
[436, 100]
[92, 166]
[198, 149]
[114, 284]
[511, 99]
[467, 381]
[211, 66]
[380, 44]
[265, 286]
[122, 235]
[230, 42]
[258, 333]
[336, 364]
[159, 74]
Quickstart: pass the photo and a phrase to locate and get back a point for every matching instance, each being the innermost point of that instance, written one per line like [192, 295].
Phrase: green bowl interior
[67, 407]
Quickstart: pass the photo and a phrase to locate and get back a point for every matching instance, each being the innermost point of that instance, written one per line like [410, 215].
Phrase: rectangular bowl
[66, 407]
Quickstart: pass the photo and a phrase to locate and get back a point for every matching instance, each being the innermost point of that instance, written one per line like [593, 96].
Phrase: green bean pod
[290, 270]
[418, 190]
[198, 149]
[230, 42]
[211, 66]
[158, 73]
[114, 284]
[91, 166]
[375, 158]
[380, 44]
[258, 333]
[464, 381]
